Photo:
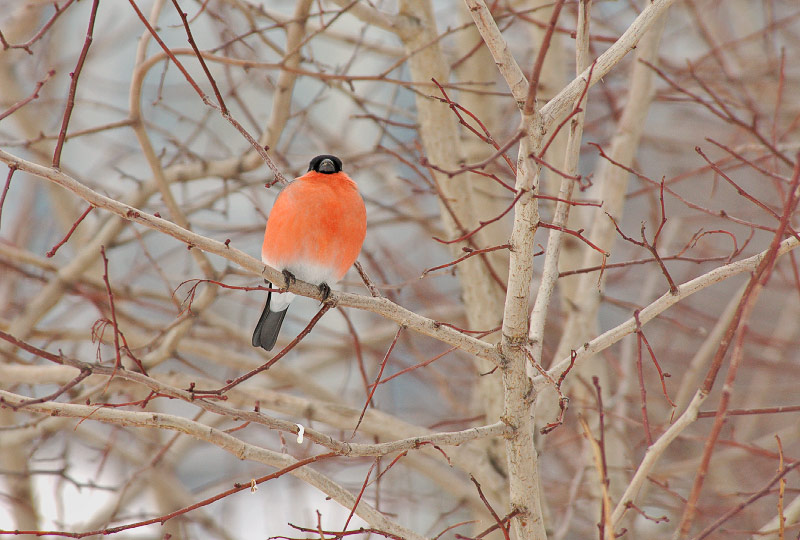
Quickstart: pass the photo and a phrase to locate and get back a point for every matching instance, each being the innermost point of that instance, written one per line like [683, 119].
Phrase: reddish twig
[488, 506]
[653, 247]
[523, 15]
[38, 35]
[168, 52]
[457, 221]
[482, 333]
[701, 233]
[722, 213]
[118, 362]
[85, 372]
[41, 353]
[422, 364]
[635, 262]
[575, 110]
[661, 375]
[673, 288]
[222, 107]
[562, 174]
[563, 401]
[454, 525]
[239, 380]
[360, 494]
[475, 168]
[491, 529]
[185, 510]
[572, 356]
[118, 334]
[763, 270]
[197, 281]
[66, 238]
[34, 95]
[533, 82]
[485, 137]
[430, 361]
[225, 114]
[560, 126]
[378, 378]
[741, 191]
[11, 170]
[73, 86]
[748, 162]
[741, 412]
[779, 98]
[336, 535]
[189, 298]
[357, 347]
[570, 202]
[663, 519]
[470, 253]
[722, 112]
[577, 234]
[747, 502]
[758, 279]
[482, 224]
[394, 462]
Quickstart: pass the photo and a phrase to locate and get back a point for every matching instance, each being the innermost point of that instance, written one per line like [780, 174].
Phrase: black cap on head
[325, 164]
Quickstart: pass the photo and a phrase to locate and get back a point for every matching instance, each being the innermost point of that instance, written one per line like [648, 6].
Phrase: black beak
[327, 166]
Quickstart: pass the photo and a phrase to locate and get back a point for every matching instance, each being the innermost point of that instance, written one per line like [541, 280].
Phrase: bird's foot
[288, 278]
[325, 291]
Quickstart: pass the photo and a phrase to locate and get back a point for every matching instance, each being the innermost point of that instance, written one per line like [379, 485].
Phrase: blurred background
[708, 108]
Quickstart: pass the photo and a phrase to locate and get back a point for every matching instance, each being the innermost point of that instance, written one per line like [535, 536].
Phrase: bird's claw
[325, 291]
[288, 278]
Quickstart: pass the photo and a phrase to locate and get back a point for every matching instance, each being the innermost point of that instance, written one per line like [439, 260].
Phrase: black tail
[266, 332]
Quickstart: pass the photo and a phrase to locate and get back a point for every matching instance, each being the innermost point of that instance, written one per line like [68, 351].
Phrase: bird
[314, 233]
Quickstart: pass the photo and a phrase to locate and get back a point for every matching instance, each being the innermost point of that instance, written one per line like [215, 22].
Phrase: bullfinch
[314, 233]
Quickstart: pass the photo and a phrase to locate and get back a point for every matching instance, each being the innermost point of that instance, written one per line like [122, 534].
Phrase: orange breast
[316, 227]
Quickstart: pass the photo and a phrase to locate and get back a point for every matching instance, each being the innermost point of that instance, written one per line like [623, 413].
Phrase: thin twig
[225, 114]
[34, 95]
[49, 397]
[747, 502]
[482, 224]
[500, 524]
[470, 253]
[11, 169]
[73, 86]
[223, 109]
[67, 236]
[185, 510]
[533, 81]
[378, 378]
[118, 363]
[42, 31]
[239, 380]
[373, 290]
